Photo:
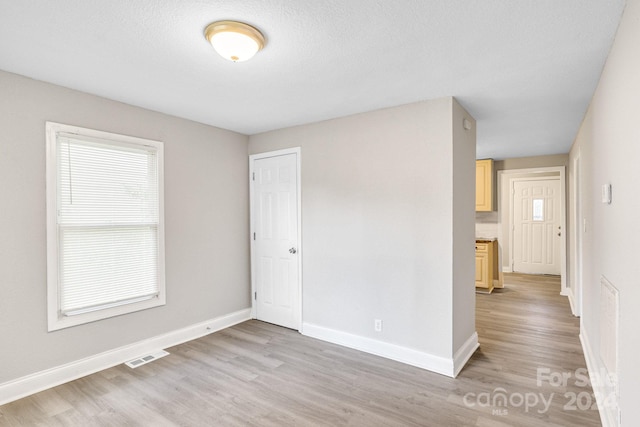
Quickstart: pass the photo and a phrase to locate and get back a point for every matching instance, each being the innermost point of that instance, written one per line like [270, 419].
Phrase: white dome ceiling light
[235, 41]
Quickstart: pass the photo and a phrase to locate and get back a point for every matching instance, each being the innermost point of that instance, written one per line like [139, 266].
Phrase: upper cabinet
[484, 185]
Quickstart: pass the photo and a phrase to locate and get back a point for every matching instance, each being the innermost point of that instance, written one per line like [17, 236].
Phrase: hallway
[530, 346]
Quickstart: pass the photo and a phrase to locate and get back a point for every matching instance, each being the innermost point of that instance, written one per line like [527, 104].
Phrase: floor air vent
[146, 359]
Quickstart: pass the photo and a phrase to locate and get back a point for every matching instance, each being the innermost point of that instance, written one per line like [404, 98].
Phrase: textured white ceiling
[525, 69]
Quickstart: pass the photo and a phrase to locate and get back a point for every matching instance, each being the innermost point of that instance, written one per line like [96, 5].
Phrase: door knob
[292, 251]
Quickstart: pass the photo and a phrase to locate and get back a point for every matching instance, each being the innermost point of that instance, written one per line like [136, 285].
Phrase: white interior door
[536, 230]
[276, 256]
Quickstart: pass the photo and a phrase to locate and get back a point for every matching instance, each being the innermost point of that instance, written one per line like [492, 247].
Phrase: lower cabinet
[486, 265]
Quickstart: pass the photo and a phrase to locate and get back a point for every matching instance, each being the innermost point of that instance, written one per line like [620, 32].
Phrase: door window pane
[538, 209]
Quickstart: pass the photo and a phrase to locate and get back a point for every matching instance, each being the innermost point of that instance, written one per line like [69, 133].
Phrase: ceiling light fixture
[233, 40]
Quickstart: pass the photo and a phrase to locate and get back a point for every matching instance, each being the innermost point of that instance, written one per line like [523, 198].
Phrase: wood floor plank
[257, 374]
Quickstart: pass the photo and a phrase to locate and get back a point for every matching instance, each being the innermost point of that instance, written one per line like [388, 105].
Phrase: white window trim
[55, 320]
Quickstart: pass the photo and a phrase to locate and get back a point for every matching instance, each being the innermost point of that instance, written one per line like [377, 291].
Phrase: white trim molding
[438, 364]
[606, 393]
[572, 304]
[464, 353]
[39, 381]
[577, 240]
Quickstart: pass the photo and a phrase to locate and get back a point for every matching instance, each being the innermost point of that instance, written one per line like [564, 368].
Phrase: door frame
[575, 292]
[252, 218]
[504, 177]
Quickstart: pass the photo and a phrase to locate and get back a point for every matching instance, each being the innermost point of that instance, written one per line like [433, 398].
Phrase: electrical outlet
[377, 325]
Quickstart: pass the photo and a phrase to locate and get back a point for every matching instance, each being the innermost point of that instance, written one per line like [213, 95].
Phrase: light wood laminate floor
[257, 374]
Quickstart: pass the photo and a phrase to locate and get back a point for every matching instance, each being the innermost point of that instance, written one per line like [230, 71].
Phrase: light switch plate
[606, 194]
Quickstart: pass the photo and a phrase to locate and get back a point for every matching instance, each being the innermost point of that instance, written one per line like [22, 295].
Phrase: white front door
[276, 256]
[536, 227]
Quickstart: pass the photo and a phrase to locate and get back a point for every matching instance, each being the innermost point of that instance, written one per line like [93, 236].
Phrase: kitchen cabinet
[484, 185]
[487, 273]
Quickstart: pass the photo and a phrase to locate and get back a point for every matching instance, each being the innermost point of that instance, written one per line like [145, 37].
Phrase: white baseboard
[507, 269]
[464, 353]
[430, 362]
[572, 304]
[39, 381]
[606, 397]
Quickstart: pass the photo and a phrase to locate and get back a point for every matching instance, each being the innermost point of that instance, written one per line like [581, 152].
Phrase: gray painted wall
[206, 212]
[380, 192]
[464, 191]
[608, 145]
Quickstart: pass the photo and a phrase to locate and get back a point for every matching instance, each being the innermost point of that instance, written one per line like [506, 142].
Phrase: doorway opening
[540, 220]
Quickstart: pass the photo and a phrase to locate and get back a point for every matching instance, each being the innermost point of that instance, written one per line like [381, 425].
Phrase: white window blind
[107, 224]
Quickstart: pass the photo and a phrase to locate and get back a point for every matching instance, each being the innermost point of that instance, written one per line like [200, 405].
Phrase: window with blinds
[105, 230]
